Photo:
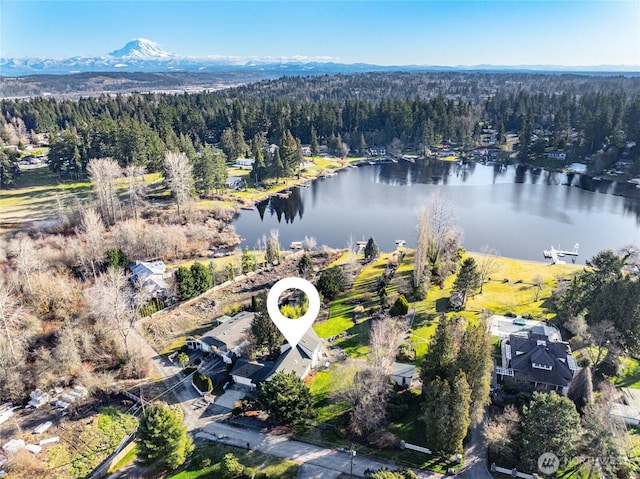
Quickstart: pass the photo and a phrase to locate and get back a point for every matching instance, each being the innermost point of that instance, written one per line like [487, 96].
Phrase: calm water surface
[517, 210]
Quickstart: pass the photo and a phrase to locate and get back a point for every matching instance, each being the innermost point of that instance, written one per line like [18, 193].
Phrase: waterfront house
[532, 357]
[557, 155]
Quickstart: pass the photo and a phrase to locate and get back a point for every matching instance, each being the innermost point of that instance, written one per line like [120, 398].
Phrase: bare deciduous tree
[384, 341]
[26, 258]
[352, 255]
[420, 258]
[103, 173]
[136, 188]
[15, 333]
[179, 176]
[603, 336]
[93, 230]
[537, 282]
[67, 352]
[309, 243]
[364, 389]
[52, 293]
[115, 301]
[487, 263]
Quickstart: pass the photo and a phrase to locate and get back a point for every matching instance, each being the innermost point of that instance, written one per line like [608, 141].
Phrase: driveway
[475, 457]
[229, 398]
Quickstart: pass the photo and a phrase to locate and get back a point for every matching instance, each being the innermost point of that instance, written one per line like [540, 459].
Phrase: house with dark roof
[227, 339]
[250, 373]
[532, 357]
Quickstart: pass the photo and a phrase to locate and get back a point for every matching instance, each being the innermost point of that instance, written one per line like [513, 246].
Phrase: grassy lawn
[511, 287]
[221, 263]
[205, 463]
[128, 458]
[321, 385]
[36, 194]
[629, 373]
[363, 293]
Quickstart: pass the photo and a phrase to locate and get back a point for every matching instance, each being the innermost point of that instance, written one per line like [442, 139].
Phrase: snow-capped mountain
[142, 55]
[141, 48]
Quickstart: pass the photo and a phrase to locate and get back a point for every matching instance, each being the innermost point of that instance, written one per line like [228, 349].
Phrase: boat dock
[556, 254]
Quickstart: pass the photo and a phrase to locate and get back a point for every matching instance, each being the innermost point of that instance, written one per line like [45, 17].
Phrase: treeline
[346, 113]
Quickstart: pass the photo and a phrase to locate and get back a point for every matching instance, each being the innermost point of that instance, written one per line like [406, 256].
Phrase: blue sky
[423, 32]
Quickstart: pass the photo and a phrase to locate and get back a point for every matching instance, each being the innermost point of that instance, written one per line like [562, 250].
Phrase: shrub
[406, 352]
[400, 307]
[202, 382]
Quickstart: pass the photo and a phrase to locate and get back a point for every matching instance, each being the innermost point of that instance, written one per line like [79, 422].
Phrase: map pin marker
[293, 329]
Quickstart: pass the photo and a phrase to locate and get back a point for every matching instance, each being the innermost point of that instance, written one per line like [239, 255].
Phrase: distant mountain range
[141, 55]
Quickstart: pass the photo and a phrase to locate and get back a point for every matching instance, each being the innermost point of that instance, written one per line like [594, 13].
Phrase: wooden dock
[555, 254]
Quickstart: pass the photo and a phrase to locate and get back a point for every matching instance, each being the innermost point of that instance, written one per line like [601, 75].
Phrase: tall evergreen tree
[264, 331]
[440, 360]
[469, 279]
[201, 278]
[314, 146]
[371, 250]
[278, 166]
[446, 414]
[474, 358]
[550, 423]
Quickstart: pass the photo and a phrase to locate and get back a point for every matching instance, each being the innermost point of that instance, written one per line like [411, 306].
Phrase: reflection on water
[518, 210]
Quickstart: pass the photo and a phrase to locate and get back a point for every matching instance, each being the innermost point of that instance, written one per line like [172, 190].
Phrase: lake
[517, 210]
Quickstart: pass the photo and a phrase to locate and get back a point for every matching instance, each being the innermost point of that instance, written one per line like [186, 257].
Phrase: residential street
[329, 459]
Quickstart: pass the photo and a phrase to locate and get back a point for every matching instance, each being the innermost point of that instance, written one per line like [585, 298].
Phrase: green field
[38, 195]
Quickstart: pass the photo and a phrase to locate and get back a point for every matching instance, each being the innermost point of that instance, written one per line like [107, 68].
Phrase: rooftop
[230, 334]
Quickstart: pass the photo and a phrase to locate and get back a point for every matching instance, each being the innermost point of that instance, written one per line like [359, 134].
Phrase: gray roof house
[301, 359]
[547, 365]
[250, 373]
[227, 339]
[402, 374]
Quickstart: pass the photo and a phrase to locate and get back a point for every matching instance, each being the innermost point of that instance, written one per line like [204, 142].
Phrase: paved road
[309, 471]
[281, 446]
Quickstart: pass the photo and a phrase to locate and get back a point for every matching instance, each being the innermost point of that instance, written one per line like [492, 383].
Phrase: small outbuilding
[402, 374]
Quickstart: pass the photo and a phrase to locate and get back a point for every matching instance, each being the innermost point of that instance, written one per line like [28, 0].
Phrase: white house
[234, 183]
[377, 151]
[244, 162]
[151, 275]
[402, 374]
[557, 155]
[629, 412]
[227, 339]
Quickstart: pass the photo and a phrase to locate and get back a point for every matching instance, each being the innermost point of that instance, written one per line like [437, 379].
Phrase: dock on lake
[556, 254]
